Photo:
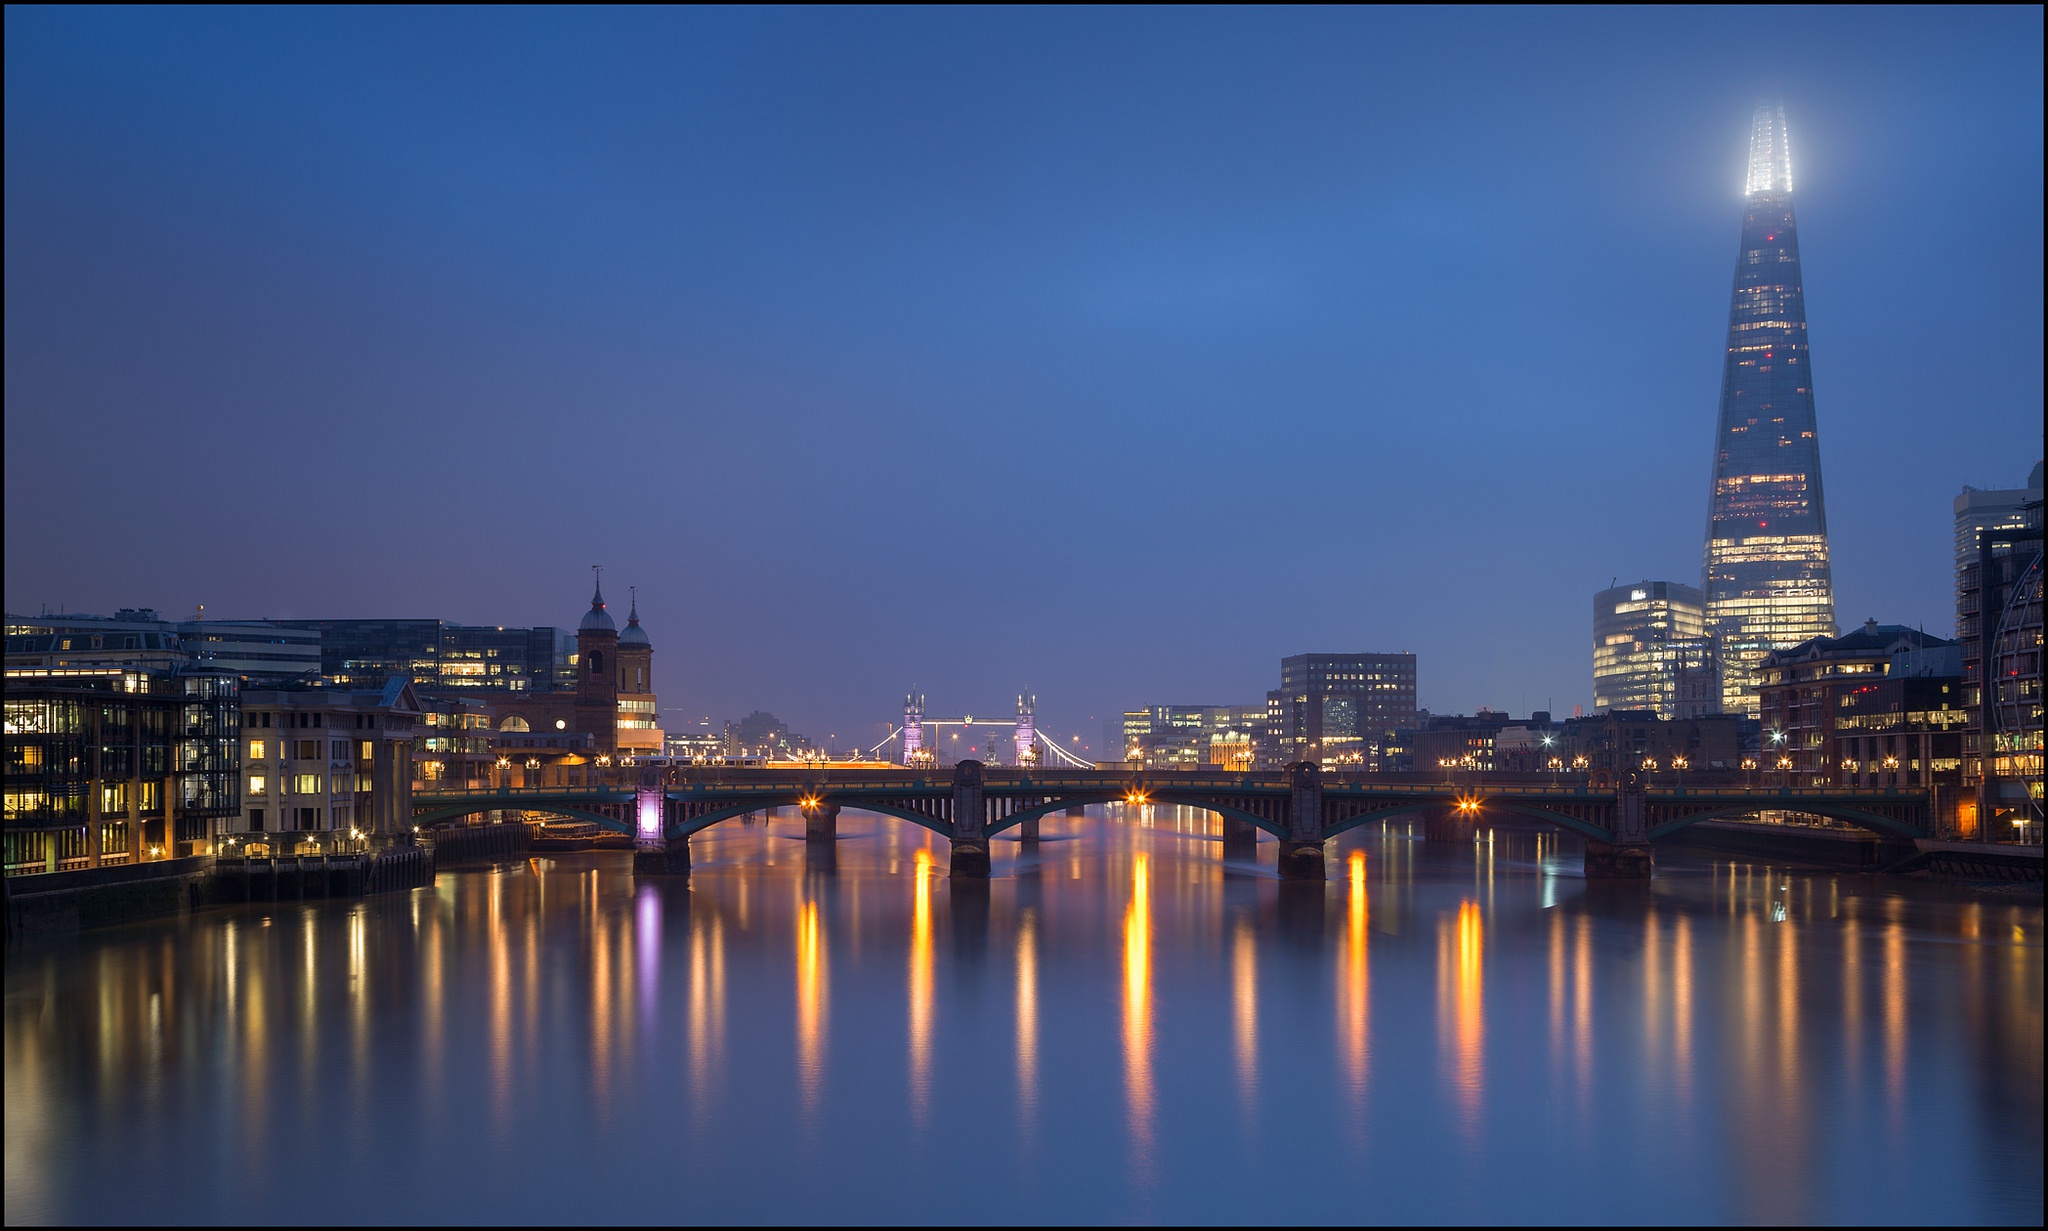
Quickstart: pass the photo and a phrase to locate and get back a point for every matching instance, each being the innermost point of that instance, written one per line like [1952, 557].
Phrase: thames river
[1118, 1026]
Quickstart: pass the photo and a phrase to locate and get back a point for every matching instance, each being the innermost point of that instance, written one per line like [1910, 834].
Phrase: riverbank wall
[455, 844]
[57, 903]
[1854, 850]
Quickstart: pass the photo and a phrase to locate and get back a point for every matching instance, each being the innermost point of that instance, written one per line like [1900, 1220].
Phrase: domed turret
[597, 620]
[634, 634]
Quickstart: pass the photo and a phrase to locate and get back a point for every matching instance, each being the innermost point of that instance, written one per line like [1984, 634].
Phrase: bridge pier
[1077, 810]
[970, 822]
[1028, 830]
[821, 822]
[670, 857]
[1301, 852]
[1615, 861]
[1240, 839]
[1628, 856]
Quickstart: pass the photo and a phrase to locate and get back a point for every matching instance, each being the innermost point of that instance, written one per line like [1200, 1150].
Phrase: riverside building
[1768, 584]
[110, 764]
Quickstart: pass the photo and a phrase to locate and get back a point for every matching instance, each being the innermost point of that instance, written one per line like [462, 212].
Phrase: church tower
[597, 679]
[639, 724]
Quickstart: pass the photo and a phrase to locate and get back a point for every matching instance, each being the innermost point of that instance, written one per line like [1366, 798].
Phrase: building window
[255, 820]
[256, 750]
[258, 785]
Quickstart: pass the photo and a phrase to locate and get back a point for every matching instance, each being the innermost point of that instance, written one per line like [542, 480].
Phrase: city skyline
[787, 447]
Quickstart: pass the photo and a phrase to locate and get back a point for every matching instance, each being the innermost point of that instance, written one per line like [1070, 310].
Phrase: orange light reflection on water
[1138, 1088]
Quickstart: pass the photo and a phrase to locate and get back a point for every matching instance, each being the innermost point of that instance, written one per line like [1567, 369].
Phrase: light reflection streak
[1681, 1010]
[603, 1010]
[1138, 1091]
[812, 995]
[1354, 995]
[707, 1013]
[1244, 987]
[1895, 1024]
[1461, 1020]
[1582, 1012]
[921, 988]
[647, 949]
[501, 1022]
[1027, 1016]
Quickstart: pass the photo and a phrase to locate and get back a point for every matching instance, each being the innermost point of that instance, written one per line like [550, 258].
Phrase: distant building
[1979, 511]
[252, 649]
[1457, 741]
[611, 701]
[437, 654]
[115, 764]
[1803, 692]
[1336, 709]
[762, 734]
[1651, 651]
[1999, 630]
[1193, 736]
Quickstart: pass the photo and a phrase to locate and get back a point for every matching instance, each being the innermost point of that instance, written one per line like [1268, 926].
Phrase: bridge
[1301, 806]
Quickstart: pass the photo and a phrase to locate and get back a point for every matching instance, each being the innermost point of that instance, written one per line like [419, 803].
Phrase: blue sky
[1110, 355]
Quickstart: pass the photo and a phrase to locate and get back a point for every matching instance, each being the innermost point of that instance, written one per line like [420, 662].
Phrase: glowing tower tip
[1770, 152]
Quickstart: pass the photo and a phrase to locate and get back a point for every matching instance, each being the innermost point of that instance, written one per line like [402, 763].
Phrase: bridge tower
[597, 680]
[1027, 729]
[913, 727]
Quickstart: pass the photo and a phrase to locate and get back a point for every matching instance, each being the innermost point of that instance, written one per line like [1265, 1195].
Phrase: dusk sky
[1109, 355]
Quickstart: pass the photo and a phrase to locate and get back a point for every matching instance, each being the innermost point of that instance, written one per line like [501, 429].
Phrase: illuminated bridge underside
[971, 805]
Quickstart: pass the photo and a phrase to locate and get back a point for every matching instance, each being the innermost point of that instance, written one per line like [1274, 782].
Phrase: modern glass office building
[1767, 579]
[1651, 652]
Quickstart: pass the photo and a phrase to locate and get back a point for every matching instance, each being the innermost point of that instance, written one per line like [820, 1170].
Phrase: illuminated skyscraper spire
[1770, 152]
[1767, 580]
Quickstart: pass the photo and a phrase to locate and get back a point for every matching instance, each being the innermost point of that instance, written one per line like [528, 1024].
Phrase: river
[1118, 1026]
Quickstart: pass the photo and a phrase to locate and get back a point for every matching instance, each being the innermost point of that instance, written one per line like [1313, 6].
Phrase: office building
[1336, 709]
[1768, 584]
[254, 650]
[437, 654]
[115, 764]
[1651, 651]
[1999, 632]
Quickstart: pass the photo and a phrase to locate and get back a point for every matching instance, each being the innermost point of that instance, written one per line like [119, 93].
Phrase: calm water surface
[1119, 1026]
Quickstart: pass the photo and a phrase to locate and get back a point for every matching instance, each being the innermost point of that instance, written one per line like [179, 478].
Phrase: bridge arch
[794, 799]
[1877, 823]
[1583, 828]
[1120, 794]
[435, 816]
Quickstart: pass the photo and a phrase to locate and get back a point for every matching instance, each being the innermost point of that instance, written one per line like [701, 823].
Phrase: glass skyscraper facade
[1651, 652]
[1767, 579]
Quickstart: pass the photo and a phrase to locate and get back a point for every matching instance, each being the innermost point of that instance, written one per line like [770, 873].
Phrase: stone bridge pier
[821, 821]
[1628, 856]
[1301, 852]
[654, 852]
[970, 821]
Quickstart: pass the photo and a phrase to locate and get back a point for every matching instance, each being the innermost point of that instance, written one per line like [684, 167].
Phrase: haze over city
[1105, 355]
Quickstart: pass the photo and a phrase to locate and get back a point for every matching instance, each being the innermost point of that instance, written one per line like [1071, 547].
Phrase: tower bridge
[970, 803]
[916, 742]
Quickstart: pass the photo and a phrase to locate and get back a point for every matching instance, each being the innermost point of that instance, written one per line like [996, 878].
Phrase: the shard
[1767, 582]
